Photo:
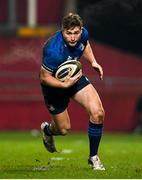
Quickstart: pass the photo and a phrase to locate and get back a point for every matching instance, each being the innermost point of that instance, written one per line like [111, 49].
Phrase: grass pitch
[22, 156]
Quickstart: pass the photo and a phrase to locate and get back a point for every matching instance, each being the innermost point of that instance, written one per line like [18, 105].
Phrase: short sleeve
[50, 60]
[84, 36]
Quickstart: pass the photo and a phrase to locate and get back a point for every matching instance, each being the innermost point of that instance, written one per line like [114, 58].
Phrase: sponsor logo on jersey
[72, 58]
[51, 107]
[81, 47]
[69, 58]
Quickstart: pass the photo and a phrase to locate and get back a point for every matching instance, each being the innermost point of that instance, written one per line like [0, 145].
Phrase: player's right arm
[48, 79]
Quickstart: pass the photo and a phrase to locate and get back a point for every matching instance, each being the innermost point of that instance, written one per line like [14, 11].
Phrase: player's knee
[64, 130]
[98, 116]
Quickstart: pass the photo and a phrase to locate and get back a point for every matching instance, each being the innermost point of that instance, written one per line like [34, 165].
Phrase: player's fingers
[80, 72]
[101, 77]
[78, 75]
[68, 77]
[101, 74]
[100, 71]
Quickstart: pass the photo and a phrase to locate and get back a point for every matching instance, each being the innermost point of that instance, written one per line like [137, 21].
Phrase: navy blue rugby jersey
[56, 51]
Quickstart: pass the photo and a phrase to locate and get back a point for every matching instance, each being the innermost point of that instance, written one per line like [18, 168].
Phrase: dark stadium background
[115, 33]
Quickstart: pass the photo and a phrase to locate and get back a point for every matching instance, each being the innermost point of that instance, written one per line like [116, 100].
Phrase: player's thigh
[62, 120]
[89, 99]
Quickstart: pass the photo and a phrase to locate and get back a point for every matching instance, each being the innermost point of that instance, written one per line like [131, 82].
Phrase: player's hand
[69, 81]
[98, 68]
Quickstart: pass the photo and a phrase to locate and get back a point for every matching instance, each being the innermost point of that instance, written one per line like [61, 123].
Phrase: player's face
[72, 35]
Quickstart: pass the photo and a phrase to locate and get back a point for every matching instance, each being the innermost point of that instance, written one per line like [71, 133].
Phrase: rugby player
[70, 43]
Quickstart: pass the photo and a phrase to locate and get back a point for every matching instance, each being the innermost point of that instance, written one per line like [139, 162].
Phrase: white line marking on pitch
[67, 151]
[57, 158]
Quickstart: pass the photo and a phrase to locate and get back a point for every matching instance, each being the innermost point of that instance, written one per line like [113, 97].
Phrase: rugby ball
[69, 67]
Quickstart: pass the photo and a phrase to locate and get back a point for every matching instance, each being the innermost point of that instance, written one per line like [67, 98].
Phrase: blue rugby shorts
[57, 99]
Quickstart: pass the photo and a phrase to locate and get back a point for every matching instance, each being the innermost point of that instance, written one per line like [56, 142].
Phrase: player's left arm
[88, 54]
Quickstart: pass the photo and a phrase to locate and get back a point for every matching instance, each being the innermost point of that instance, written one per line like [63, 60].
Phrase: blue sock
[94, 134]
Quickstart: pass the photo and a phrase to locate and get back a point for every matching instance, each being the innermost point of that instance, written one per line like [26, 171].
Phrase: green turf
[23, 156]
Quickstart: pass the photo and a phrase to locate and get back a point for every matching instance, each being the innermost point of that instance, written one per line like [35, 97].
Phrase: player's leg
[90, 100]
[61, 123]
[59, 126]
[56, 100]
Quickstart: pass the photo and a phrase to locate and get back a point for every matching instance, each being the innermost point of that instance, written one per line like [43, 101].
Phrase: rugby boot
[95, 163]
[48, 140]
